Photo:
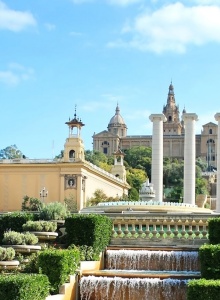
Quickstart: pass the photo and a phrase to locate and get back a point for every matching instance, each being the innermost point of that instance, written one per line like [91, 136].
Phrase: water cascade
[152, 260]
[133, 274]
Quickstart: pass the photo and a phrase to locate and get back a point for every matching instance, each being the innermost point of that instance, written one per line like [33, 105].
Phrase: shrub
[54, 211]
[87, 253]
[90, 230]
[24, 287]
[7, 253]
[209, 256]
[40, 226]
[214, 230]
[32, 266]
[17, 238]
[30, 239]
[203, 289]
[14, 221]
[31, 204]
[58, 265]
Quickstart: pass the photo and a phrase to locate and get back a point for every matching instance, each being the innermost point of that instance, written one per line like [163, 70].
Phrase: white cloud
[207, 2]
[172, 28]
[15, 74]
[14, 20]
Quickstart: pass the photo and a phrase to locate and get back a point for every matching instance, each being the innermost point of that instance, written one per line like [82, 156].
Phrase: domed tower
[117, 124]
[171, 111]
[74, 147]
[108, 141]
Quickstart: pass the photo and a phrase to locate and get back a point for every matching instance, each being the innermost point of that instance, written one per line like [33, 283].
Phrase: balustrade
[176, 229]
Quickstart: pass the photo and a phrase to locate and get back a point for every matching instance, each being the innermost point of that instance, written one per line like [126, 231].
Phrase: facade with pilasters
[108, 141]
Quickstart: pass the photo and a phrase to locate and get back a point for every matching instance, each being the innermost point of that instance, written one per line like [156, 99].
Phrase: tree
[139, 158]
[11, 152]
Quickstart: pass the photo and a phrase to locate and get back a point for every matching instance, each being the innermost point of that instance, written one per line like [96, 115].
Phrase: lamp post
[43, 194]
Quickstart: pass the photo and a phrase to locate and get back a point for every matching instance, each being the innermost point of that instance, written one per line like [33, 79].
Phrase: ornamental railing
[160, 230]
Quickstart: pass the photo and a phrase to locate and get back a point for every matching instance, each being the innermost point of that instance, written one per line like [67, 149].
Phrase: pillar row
[189, 158]
[157, 155]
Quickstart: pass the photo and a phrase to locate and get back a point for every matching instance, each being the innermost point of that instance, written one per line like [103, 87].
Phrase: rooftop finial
[75, 112]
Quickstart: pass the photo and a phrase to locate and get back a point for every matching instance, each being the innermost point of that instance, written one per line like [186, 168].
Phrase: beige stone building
[68, 177]
[108, 141]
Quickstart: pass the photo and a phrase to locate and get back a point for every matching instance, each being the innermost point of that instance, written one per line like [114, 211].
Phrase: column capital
[217, 116]
[158, 117]
[190, 116]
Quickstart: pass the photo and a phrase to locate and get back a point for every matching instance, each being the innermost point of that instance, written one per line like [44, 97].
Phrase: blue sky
[56, 54]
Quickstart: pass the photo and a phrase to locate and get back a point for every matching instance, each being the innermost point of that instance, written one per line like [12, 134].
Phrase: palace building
[116, 135]
[54, 180]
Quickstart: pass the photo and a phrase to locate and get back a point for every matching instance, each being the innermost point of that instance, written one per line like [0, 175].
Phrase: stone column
[157, 155]
[217, 118]
[189, 158]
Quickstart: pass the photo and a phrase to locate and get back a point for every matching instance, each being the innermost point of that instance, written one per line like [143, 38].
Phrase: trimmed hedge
[14, 221]
[24, 287]
[58, 264]
[214, 230]
[203, 289]
[209, 256]
[91, 230]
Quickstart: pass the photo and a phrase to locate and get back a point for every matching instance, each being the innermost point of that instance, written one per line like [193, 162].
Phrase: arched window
[170, 119]
[72, 154]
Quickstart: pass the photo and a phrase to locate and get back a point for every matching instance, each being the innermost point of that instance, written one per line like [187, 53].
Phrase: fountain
[169, 232]
[144, 274]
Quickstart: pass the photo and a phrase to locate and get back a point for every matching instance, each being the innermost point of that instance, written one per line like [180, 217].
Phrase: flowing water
[152, 260]
[142, 275]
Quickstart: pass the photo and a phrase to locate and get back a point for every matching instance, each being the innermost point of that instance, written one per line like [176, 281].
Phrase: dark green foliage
[14, 221]
[87, 253]
[31, 204]
[90, 230]
[139, 157]
[203, 289]
[214, 230]
[209, 256]
[58, 265]
[32, 266]
[24, 287]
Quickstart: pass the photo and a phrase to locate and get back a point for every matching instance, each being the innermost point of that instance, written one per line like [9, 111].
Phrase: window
[72, 154]
[170, 119]
[105, 150]
[210, 131]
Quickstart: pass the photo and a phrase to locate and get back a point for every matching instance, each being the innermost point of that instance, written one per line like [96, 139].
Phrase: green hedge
[14, 221]
[214, 230]
[90, 230]
[203, 289]
[24, 287]
[58, 264]
[209, 256]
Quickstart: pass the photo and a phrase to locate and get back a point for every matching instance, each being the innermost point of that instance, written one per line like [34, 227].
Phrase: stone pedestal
[157, 155]
[217, 118]
[189, 158]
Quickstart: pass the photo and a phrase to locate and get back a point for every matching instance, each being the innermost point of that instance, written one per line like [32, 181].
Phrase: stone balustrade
[156, 229]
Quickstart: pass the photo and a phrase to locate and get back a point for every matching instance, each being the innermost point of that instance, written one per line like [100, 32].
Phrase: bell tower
[119, 169]
[173, 125]
[74, 147]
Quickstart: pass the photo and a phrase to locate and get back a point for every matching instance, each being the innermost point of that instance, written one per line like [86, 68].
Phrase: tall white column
[217, 118]
[189, 158]
[157, 155]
